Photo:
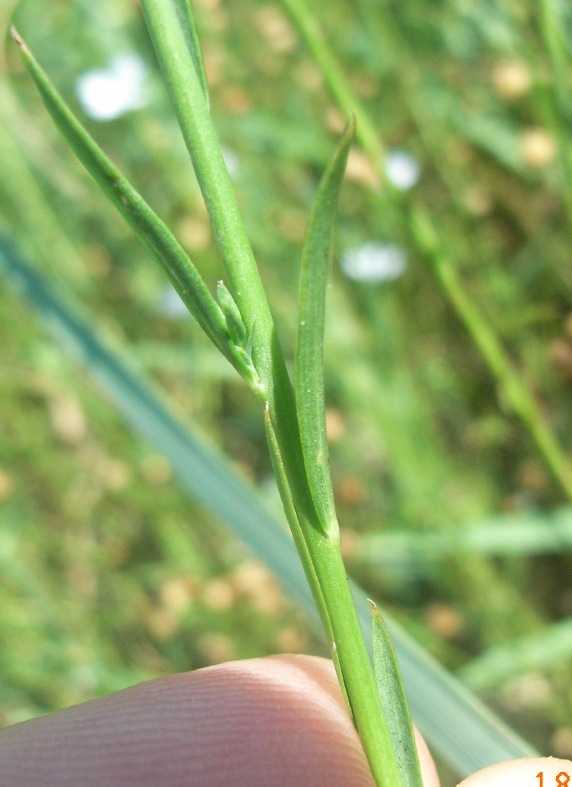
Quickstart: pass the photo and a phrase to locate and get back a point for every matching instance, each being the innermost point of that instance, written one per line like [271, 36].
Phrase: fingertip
[278, 720]
[253, 722]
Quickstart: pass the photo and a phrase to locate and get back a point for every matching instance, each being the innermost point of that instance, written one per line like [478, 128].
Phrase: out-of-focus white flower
[374, 262]
[402, 169]
[108, 93]
[537, 147]
[170, 304]
[511, 79]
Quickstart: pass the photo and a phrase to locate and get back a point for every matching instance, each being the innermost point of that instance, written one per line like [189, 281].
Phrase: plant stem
[516, 394]
[319, 552]
[323, 565]
[228, 322]
[349, 646]
[337, 81]
[163, 19]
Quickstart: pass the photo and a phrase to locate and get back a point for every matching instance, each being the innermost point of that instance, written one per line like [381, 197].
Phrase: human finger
[278, 720]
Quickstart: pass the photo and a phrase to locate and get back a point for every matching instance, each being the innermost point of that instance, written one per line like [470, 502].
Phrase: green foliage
[423, 440]
[309, 374]
[298, 460]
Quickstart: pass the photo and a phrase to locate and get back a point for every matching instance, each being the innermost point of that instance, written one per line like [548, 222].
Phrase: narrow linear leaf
[309, 374]
[188, 26]
[149, 228]
[392, 693]
[526, 654]
[240, 344]
[234, 323]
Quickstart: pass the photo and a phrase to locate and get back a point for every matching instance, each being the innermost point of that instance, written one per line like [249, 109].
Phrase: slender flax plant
[239, 322]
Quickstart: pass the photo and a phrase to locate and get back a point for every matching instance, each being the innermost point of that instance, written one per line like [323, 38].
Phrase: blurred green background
[452, 514]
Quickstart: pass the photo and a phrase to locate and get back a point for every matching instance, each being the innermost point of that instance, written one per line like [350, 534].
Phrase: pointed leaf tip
[351, 125]
[17, 37]
[309, 374]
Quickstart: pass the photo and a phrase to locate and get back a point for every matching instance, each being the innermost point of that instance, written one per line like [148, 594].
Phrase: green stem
[163, 18]
[322, 561]
[557, 109]
[552, 28]
[320, 554]
[349, 646]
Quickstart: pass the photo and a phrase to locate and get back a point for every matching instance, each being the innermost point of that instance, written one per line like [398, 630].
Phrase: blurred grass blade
[537, 652]
[336, 79]
[454, 722]
[392, 695]
[525, 533]
[149, 228]
[309, 374]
